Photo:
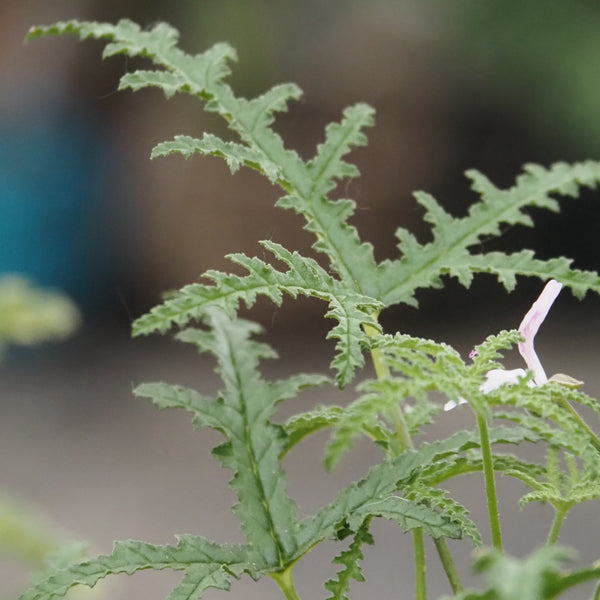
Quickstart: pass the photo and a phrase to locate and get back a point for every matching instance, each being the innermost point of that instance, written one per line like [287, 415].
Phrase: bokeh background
[456, 85]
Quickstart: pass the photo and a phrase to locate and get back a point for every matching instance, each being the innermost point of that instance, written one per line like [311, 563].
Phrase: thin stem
[285, 582]
[490, 484]
[448, 564]
[420, 565]
[594, 440]
[404, 441]
[560, 512]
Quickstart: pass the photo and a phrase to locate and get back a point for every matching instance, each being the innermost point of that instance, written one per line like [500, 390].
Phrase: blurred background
[456, 85]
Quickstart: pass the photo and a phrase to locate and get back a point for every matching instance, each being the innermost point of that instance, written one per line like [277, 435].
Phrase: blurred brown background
[456, 85]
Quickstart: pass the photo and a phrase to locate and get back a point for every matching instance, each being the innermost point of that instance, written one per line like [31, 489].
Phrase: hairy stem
[402, 438]
[560, 512]
[285, 582]
[420, 565]
[490, 484]
[404, 442]
[448, 564]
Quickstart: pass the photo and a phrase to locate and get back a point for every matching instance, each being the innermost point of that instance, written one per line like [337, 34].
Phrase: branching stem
[404, 442]
[285, 581]
[560, 512]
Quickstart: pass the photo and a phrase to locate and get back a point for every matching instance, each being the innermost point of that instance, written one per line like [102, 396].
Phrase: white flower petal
[453, 404]
[529, 327]
[497, 377]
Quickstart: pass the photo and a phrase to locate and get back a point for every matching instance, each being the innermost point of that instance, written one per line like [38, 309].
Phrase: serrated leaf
[297, 427]
[304, 276]
[327, 219]
[242, 412]
[350, 559]
[538, 576]
[452, 511]
[205, 564]
[169, 83]
[234, 154]
[422, 265]
[417, 366]
[408, 515]
[383, 480]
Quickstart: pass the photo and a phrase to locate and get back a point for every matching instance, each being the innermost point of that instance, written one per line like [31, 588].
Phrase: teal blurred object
[53, 227]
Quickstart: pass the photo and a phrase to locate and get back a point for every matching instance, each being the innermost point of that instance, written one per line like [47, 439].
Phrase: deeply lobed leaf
[304, 276]
[422, 265]
[205, 565]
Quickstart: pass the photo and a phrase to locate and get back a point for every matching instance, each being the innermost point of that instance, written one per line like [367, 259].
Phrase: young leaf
[201, 75]
[539, 576]
[416, 366]
[297, 427]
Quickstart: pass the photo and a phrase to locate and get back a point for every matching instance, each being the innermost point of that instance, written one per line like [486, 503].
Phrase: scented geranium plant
[415, 379]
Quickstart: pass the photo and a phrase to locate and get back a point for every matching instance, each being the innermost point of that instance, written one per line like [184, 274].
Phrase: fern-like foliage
[242, 412]
[253, 448]
[205, 565]
[350, 560]
[361, 286]
[422, 265]
[413, 374]
[304, 276]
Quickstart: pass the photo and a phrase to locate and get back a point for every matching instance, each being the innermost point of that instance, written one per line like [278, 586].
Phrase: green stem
[448, 564]
[420, 565]
[401, 442]
[490, 484]
[404, 441]
[560, 512]
[594, 440]
[285, 582]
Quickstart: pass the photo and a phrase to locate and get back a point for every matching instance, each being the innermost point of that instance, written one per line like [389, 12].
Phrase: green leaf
[408, 515]
[297, 427]
[352, 259]
[350, 560]
[234, 154]
[242, 412]
[304, 276]
[417, 366]
[422, 265]
[199, 75]
[534, 577]
[507, 266]
[386, 478]
[452, 512]
[205, 564]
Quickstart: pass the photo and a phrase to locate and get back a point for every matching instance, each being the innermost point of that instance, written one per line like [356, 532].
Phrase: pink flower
[528, 328]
